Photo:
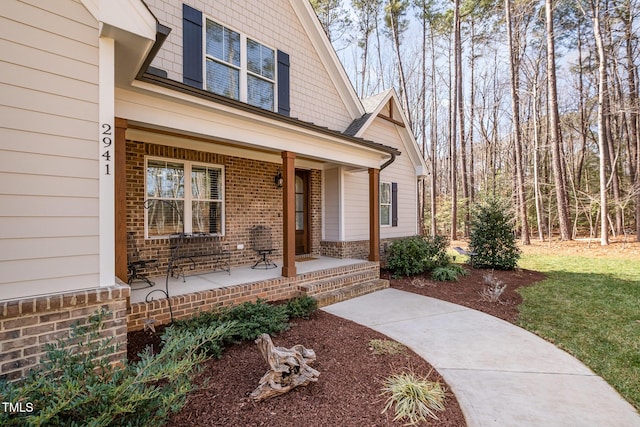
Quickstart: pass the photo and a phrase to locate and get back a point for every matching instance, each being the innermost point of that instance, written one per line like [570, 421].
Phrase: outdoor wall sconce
[278, 180]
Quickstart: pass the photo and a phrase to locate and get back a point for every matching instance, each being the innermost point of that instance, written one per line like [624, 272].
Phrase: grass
[386, 347]
[590, 307]
[414, 398]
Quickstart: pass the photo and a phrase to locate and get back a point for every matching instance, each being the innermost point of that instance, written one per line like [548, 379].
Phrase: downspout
[388, 162]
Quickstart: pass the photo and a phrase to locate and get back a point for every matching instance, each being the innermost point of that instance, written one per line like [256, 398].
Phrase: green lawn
[589, 307]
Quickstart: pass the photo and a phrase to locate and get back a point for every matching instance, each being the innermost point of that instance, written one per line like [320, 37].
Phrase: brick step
[343, 280]
[315, 276]
[351, 291]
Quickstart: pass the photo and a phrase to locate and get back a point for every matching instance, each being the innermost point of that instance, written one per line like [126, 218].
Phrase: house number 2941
[106, 146]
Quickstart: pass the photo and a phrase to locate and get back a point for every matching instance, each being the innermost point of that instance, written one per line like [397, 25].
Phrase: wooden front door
[302, 212]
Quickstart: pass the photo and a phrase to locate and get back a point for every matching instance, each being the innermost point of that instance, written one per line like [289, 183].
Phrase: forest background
[531, 101]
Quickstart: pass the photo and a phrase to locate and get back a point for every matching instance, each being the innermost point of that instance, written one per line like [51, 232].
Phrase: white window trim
[188, 165]
[243, 92]
[390, 204]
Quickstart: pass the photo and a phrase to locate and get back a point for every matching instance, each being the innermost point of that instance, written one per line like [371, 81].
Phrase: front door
[302, 212]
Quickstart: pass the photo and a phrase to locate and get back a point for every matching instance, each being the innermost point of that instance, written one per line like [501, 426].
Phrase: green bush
[416, 255]
[492, 237]
[77, 383]
[255, 319]
[208, 319]
[302, 306]
[448, 273]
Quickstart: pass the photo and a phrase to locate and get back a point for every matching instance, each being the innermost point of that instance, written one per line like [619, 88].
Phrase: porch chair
[262, 243]
[136, 265]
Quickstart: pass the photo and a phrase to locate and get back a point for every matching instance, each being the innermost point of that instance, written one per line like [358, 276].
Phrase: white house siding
[401, 171]
[48, 151]
[331, 209]
[274, 23]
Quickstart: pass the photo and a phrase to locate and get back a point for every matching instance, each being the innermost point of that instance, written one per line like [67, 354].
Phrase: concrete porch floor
[220, 279]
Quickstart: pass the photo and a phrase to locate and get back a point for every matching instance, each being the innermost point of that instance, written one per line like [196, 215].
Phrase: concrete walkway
[501, 374]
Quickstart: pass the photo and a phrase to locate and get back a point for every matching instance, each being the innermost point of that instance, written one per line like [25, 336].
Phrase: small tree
[492, 239]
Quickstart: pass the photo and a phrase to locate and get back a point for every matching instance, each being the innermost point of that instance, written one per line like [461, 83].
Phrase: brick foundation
[282, 288]
[26, 325]
[357, 249]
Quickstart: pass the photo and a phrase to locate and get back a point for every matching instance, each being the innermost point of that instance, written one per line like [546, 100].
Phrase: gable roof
[373, 106]
[328, 56]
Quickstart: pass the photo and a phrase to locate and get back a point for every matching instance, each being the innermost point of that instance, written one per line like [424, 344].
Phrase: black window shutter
[192, 54]
[283, 84]
[394, 204]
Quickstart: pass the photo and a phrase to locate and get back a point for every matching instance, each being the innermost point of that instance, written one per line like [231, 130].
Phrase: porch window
[385, 203]
[194, 205]
[238, 67]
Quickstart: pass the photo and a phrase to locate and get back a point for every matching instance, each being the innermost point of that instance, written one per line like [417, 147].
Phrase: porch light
[278, 180]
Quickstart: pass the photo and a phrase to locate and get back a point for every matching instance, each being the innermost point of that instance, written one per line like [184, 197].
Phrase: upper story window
[238, 67]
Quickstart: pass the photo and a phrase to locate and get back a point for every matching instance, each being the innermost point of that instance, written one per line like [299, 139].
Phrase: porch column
[289, 214]
[374, 214]
[120, 196]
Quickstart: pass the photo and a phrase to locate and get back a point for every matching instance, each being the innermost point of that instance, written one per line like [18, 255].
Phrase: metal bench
[462, 251]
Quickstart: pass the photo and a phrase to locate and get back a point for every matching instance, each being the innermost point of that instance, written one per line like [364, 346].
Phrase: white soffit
[132, 26]
[169, 110]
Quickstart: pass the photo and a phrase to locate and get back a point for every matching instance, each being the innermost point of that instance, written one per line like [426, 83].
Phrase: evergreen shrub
[492, 236]
[78, 383]
[416, 255]
[302, 307]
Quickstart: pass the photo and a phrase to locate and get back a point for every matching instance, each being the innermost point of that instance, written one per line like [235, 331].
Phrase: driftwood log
[288, 368]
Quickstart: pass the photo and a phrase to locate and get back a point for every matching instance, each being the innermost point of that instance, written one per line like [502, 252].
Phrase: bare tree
[554, 128]
[514, 66]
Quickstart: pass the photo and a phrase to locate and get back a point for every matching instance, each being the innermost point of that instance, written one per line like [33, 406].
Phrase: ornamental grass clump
[379, 346]
[414, 398]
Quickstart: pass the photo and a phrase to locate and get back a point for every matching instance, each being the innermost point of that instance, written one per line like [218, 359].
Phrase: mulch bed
[348, 392]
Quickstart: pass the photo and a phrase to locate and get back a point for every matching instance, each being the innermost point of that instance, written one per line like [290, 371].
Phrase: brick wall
[26, 325]
[358, 249]
[251, 198]
[282, 288]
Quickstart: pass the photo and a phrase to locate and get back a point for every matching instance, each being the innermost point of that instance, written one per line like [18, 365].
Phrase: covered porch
[326, 279]
[253, 162]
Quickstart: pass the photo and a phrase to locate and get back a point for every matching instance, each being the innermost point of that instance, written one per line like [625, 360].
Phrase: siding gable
[313, 95]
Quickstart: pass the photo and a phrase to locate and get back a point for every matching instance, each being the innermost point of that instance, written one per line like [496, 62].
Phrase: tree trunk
[514, 67]
[602, 135]
[454, 126]
[434, 137]
[554, 128]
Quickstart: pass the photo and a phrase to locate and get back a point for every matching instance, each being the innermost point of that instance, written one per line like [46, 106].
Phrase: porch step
[336, 280]
[351, 291]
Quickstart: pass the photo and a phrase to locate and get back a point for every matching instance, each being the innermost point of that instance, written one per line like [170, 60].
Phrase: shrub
[415, 255]
[448, 273]
[249, 319]
[415, 398]
[302, 306]
[492, 237]
[255, 319]
[77, 384]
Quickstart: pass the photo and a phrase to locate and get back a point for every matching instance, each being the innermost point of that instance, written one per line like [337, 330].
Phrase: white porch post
[106, 145]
